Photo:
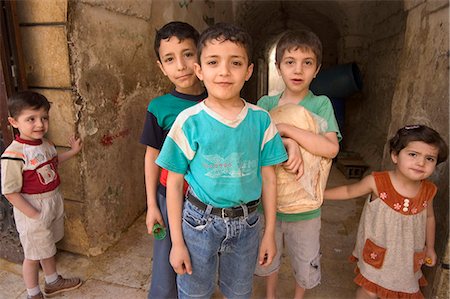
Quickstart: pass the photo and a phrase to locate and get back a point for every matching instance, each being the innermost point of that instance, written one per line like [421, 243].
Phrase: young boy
[30, 182]
[225, 167]
[298, 60]
[176, 49]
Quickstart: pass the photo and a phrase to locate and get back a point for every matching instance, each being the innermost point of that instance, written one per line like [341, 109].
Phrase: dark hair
[226, 32]
[180, 30]
[26, 100]
[299, 39]
[422, 133]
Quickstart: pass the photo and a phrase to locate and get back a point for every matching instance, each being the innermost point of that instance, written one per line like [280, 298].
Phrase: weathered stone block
[435, 5]
[71, 182]
[75, 237]
[410, 4]
[62, 115]
[136, 8]
[39, 11]
[46, 56]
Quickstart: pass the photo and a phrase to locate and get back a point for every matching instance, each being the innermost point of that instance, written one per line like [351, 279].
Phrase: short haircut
[226, 32]
[180, 30]
[422, 133]
[26, 100]
[299, 39]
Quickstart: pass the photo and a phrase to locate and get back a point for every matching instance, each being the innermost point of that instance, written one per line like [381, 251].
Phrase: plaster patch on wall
[90, 127]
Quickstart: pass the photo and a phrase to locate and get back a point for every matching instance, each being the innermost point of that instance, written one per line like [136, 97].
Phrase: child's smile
[224, 69]
[177, 63]
[32, 124]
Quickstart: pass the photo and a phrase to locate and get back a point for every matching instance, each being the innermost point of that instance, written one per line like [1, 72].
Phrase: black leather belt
[224, 212]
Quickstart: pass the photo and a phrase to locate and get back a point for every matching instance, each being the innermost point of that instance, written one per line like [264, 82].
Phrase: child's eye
[431, 159]
[211, 62]
[189, 54]
[237, 63]
[31, 119]
[412, 154]
[168, 59]
[309, 62]
[289, 62]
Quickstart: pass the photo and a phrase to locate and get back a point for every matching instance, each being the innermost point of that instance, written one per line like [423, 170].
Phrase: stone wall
[43, 29]
[422, 96]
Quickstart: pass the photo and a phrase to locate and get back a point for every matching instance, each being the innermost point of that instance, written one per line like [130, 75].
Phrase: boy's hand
[180, 260]
[431, 257]
[153, 216]
[75, 144]
[294, 164]
[267, 250]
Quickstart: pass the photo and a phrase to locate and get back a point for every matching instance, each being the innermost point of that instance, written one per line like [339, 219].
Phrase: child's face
[417, 160]
[177, 63]
[298, 68]
[32, 124]
[224, 69]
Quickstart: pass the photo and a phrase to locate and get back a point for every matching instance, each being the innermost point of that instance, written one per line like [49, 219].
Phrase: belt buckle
[228, 213]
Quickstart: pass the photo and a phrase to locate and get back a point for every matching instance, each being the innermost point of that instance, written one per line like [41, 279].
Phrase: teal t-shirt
[222, 159]
[321, 106]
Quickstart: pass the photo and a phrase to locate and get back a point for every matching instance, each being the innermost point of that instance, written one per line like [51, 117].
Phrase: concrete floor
[124, 270]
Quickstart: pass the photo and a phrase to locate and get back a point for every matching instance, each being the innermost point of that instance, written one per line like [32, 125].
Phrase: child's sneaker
[61, 285]
[38, 296]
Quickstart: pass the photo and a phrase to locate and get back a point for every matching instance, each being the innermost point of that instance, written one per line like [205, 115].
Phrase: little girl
[397, 228]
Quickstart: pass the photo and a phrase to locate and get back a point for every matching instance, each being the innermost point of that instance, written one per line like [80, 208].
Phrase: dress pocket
[373, 254]
[419, 260]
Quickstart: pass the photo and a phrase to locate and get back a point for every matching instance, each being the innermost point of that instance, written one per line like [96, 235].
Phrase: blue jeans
[164, 279]
[227, 245]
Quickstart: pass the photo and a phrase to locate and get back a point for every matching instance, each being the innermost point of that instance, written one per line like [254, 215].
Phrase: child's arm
[179, 254]
[431, 256]
[22, 205]
[294, 164]
[151, 170]
[363, 187]
[326, 145]
[268, 248]
[75, 147]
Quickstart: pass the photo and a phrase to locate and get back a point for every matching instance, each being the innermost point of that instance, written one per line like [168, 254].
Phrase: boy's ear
[317, 71]
[12, 122]
[161, 67]
[198, 71]
[277, 66]
[249, 72]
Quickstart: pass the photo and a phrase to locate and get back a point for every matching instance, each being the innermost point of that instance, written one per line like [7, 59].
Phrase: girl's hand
[431, 257]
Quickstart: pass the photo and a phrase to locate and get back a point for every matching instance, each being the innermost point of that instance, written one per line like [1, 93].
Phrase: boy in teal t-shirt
[298, 60]
[226, 150]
